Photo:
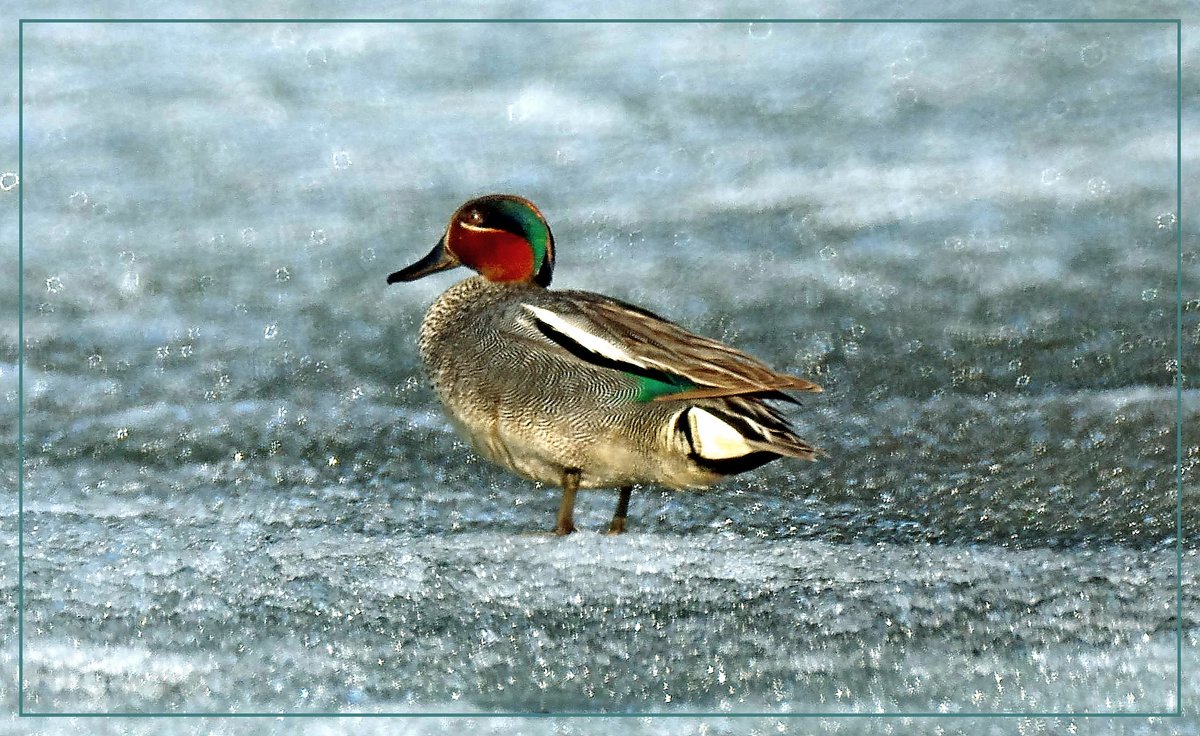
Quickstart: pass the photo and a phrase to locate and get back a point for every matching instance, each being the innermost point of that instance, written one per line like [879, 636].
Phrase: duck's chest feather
[474, 342]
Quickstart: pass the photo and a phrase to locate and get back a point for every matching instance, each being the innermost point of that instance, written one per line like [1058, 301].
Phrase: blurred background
[240, 494]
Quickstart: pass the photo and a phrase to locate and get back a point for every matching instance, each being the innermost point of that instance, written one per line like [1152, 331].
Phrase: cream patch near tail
[714, 439]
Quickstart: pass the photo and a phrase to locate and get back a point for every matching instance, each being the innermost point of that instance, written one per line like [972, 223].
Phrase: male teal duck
[581, 390]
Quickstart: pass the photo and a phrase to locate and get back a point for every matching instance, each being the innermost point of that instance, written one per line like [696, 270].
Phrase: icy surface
[240, 496]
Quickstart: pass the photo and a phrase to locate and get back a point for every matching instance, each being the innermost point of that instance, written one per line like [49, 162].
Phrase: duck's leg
[618, 521]
[566, 510]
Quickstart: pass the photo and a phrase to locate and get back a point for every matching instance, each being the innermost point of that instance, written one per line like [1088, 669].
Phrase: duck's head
[502, 236]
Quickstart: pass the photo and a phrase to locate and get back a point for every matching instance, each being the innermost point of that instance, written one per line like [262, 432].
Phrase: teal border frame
[1178, 377]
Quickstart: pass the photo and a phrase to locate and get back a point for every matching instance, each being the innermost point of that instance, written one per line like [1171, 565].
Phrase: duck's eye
[474, 217]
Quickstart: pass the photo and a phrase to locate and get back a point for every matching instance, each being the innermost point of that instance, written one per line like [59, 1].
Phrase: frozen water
[240, 495]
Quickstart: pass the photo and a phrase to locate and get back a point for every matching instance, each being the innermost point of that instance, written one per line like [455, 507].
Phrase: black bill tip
[438, 259]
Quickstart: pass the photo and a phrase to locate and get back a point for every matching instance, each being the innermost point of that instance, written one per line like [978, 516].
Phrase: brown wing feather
[717, 369]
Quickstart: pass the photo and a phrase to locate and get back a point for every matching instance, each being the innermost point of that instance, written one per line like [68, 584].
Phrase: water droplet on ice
[8, 181]
[54, 285]
[1097, 187]
[315, 56]
[270, 331]
[759, 30]
[906, 96]
[1092, 54]
[670, 81]
[915, 50]
[131, 283]
[283, 36]
[901, 70]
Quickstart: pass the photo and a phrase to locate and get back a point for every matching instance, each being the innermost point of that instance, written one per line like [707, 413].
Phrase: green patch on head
[650, 389]
[534, 227]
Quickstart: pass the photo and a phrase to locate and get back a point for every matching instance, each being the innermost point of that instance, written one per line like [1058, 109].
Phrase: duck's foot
[566, 509]
[618, 521]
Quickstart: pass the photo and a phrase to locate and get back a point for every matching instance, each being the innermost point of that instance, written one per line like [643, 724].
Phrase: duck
[579, 390]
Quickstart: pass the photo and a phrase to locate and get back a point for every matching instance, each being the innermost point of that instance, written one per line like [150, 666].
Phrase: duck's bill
[439, 259]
